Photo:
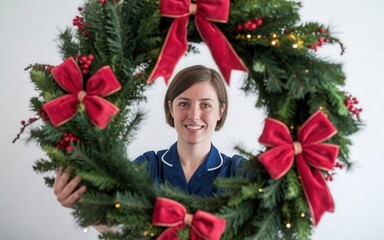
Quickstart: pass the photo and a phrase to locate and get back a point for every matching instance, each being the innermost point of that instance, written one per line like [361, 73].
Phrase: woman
[196, 105]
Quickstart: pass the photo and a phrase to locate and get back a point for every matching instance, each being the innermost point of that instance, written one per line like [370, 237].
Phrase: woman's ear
[222, 109]
[170, 107]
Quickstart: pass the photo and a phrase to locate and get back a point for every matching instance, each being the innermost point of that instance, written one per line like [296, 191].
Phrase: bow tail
[222, 52]
[62, 109]
[175, 45]
[99, 110]
[315, 188]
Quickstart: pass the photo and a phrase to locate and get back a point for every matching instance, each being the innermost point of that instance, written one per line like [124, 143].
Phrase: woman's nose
[194, 113]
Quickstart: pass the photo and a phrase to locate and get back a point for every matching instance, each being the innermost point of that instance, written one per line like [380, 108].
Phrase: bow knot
[192, 8]
[175, 45]
[81, 95]
[297, 147]
[312, 155]
[69, 77]
[171, 214]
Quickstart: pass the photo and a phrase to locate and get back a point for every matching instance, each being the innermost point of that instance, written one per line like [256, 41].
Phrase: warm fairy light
[259, 36]
[260, 190]
[117, 205]
[302, 214]
[273, 42]
[85, 230]
[249, 36]
[291, 36]
[274, 35]
[145, 233]
[292, 127]
[306, 71]
[152, 234]
[288, 225]
[321, 108]
[295, 45]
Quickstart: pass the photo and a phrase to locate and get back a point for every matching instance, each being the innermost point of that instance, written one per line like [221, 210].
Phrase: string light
[302, 214]
[249, 36]
[260, 190]
[295, 45]
[145, 233]
[85, 230]
[117, 205]
[288, 225]
[274, 42]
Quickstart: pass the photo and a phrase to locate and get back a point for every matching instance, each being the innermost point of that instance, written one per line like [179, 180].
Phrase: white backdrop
[29, 29]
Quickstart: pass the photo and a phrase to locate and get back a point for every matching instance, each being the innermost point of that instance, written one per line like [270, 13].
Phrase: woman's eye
[183, 104]
[206, 106]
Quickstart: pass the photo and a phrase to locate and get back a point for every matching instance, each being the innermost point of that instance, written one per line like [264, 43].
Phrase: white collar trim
[163, 160]
[221, 162]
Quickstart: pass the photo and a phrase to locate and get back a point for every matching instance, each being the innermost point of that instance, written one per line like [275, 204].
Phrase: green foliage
[290, 80]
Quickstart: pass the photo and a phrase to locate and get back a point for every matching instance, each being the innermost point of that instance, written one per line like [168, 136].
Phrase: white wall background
[28, 209]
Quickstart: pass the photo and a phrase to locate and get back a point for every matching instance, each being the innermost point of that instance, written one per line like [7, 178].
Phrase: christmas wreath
[88, 112]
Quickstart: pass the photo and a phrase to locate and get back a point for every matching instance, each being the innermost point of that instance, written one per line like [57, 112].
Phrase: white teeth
[194, 127]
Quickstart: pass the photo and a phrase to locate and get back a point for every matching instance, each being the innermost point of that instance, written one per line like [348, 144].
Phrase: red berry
[259, 22]
[85, 71]
[321, 41]
[68, 148]
[239, 27]
[23, 122]
[321, 30]
[90, 57]
[253, 26]
[83, 59]
[80, 9]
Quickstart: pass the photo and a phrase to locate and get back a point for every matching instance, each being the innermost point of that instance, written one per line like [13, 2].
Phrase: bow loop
[316, 129]
[69, 77]
[103, 83]
[169, 213]
[311, 156]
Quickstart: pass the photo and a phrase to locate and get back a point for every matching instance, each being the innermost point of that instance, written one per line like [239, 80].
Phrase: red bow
[175, 45]
[169, 213]
[69, 77]
[311, 155]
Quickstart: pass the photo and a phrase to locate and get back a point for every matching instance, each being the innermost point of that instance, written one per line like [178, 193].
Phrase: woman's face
[195, 113]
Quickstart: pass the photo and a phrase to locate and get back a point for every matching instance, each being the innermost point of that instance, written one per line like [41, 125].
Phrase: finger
[61, 180]
[74, 197]
[68, 189]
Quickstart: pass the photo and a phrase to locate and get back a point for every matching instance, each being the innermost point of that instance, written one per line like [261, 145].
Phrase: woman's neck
[192, 156]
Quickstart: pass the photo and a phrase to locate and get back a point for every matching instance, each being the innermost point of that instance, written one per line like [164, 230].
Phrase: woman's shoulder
[150, 156]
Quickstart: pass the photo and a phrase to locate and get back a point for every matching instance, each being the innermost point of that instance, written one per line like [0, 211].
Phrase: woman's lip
[194, 127]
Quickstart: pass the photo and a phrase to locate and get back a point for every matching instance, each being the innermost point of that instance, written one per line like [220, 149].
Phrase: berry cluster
[320, 41]
[250, 24]
[351, 102]
[66, 142]
[85, 62]
[42, 114]
[24, 125]
[30, 120]
[102, 1]
[329, 176]
[79, 22]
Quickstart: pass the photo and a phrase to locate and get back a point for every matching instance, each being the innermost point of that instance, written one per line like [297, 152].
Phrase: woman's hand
[67, 189]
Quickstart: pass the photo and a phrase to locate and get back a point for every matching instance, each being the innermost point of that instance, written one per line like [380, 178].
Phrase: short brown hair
[189, 76]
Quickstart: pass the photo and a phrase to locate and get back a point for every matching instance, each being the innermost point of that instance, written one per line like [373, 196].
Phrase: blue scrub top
[165, 166]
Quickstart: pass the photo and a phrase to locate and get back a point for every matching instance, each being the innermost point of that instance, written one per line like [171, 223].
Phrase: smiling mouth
[194, 127]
